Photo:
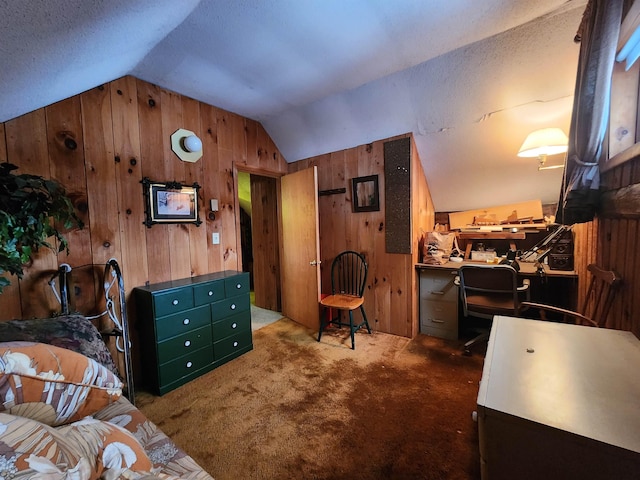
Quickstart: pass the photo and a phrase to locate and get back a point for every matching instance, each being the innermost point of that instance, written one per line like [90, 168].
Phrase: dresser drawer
[184, 344]
[172, 301]
[182, 322]
[236, 285]
[232, 325]
[229, 306]
[237, 343]
[186, 365]
[438, 286]
[208, 292]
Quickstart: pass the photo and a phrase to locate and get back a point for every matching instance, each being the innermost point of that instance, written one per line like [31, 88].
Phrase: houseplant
[32, 210]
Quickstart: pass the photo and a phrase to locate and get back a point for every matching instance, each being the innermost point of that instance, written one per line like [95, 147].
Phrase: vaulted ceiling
[469, 78]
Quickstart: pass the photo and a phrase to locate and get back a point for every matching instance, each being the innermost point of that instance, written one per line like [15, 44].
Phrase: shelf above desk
[492, 235]
[526, 268]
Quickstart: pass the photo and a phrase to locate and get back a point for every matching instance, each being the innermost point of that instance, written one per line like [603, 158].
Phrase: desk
[438, 296]
[559, 401]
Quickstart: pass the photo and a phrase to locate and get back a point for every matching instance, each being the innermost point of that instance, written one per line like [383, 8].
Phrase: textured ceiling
[469, 78]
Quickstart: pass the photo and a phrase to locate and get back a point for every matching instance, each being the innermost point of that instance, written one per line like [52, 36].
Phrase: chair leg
[322, 325]
[364, 315]
[480, 338]
[353, 330]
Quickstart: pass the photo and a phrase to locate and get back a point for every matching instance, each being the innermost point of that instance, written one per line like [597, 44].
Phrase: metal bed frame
[116, 312]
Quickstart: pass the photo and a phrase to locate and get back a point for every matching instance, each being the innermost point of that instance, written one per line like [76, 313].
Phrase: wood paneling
[121, 133]
[618, 242]
[390, 298]
[27, 147]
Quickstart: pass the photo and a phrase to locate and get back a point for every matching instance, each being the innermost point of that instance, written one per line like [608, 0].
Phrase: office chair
[488, 290]
[603, 286]
[348, 281]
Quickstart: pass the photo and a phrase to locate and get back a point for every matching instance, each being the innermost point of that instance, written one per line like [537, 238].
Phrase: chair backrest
[603, 287]
[488, 290]
[349, 274]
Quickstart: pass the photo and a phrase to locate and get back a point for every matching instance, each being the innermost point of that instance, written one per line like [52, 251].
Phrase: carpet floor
[294, 408]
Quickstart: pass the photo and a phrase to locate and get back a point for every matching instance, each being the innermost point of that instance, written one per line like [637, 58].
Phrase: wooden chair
[603, 287]
[348, 281]
[488, 290]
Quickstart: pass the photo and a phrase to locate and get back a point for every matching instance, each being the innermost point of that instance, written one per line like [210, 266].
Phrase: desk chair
[603, 286]
[348, 281]
[488, 290]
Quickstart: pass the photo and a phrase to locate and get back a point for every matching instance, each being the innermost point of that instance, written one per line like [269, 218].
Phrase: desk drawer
[439, 319]
[438, 286]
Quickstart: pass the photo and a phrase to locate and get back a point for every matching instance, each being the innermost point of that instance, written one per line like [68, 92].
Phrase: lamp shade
[546, 141]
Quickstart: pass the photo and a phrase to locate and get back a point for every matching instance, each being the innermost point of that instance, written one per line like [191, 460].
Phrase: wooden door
[300, 254]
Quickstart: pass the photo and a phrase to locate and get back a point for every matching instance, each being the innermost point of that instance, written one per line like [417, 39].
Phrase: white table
[559, 401]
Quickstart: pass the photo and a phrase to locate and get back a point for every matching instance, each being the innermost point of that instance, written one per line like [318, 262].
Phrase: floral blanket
[165, 455]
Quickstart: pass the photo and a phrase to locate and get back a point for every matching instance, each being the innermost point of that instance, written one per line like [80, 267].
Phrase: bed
[68, 397]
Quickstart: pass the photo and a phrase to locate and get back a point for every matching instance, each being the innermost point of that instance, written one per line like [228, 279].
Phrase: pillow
[111, 449]
[74, 332]
[87, 449]
[53, 385]
[30, 447]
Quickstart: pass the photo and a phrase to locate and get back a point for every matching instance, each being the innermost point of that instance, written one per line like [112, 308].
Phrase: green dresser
[190, 326]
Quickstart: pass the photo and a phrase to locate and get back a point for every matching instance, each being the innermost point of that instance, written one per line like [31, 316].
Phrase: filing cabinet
[438, 303]
[190, 326]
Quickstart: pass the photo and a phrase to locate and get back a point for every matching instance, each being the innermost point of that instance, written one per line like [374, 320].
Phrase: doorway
[260, 249]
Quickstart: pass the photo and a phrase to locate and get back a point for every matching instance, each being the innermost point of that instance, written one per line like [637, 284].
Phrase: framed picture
[170, 202]
[365, 194]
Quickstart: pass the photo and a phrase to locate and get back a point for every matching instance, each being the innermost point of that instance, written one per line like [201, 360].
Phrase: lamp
[186, 145]
[544, 142]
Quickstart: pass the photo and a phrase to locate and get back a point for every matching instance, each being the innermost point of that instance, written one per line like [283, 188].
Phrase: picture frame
[170, 202]
[365, 194]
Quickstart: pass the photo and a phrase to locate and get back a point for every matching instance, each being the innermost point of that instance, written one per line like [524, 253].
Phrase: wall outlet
[215, 238]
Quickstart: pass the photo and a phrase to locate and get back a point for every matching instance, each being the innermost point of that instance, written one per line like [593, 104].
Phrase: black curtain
[598, 36]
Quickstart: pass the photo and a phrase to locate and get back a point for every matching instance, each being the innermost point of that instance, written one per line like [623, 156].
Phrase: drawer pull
[239, 286]
[186, 321]
[439, 292]
[435, 320]
[235, 344]
[187, 343]
[189, 364]
[233, 306]
[234, 325]
[210, 293]
[175, 302]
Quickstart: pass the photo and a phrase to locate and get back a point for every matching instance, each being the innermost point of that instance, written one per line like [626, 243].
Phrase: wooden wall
[618, 240]
[391, 299]
[99, 145]
[612, 240]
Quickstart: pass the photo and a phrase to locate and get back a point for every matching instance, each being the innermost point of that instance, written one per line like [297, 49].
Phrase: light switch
[213, 203]
[215, 238]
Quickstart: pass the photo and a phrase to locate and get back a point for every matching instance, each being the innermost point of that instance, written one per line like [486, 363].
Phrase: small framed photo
[170, 202]
[365, 194]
